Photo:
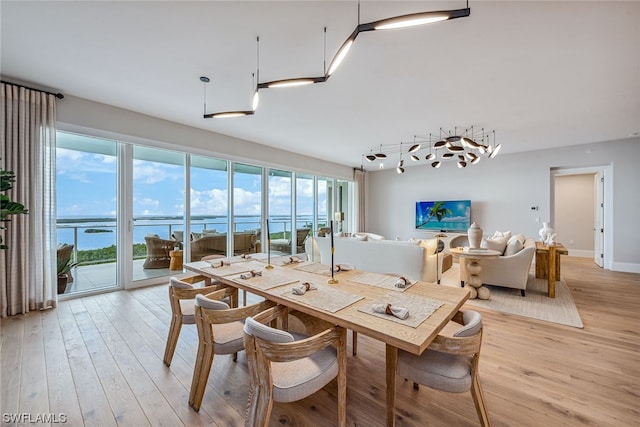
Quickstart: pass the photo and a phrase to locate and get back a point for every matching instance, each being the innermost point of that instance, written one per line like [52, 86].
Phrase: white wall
[502, 191]
[74, 114]
[574, 216]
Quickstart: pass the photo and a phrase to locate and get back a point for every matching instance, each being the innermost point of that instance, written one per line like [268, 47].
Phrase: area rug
[561, 309]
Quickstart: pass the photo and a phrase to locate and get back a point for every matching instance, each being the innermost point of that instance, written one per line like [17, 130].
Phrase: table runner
[420, 308]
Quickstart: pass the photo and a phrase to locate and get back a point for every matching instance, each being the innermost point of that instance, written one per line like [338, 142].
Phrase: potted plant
[7, 206]
[64, 266]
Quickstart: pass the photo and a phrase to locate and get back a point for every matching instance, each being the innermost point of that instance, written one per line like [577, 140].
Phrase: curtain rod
[57, 95]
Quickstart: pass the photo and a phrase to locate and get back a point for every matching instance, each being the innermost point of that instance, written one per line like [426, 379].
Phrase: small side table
[474, 268]
[548, 264]
[176, 259]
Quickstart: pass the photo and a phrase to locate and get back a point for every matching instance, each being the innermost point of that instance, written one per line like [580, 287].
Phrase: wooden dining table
[351, 291]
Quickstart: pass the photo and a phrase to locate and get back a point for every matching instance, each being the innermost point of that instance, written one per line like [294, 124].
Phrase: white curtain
[28, 267]
[359, 178]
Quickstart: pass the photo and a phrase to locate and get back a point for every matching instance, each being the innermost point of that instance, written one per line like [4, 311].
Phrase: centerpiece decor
[333, 280]
[268, 266]
[474, 234]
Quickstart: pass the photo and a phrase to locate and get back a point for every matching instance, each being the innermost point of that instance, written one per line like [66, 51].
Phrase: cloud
[79, 166]
[209, 202]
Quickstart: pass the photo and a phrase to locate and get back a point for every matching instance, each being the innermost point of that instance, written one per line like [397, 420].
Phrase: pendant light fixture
[254, 102]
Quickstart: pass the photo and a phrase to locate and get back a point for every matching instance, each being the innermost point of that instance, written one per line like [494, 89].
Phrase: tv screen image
[450, 215]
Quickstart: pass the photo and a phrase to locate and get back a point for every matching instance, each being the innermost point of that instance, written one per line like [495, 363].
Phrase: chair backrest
[267, 333]
[177, 283]
[472, 324]
[210, 304]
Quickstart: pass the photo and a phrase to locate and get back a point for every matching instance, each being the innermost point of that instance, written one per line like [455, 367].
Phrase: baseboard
[581, 253]
[626, 267]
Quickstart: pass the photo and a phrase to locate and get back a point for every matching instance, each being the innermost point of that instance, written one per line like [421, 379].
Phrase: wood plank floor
[98, 361]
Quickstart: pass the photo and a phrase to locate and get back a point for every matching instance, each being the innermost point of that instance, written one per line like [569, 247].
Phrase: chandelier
[464, 148]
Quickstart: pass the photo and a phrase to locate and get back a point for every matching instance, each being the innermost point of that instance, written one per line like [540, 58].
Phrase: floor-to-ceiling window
[247, 208]
[127, 209]
[86, 198]
[324, 207]
[158, 210]
[209, 195]
[305, 217]
[280, 219]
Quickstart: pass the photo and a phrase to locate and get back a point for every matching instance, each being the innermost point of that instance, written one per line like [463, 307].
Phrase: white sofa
[509, 271]
[415, 259]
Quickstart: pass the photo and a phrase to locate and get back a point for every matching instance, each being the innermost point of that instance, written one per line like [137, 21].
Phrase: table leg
[392, 364]
[551, 274]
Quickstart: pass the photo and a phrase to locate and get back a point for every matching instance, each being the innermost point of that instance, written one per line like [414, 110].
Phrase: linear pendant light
[403, 21]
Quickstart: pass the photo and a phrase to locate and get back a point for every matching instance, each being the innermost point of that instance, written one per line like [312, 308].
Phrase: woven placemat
[236, 268]
[268, 280]
[380, 281]
[326, 297]
[420, 308]
[315, 268]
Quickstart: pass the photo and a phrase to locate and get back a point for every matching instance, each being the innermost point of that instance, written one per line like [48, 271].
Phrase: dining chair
[220, 331]
[286, 366]
[182, 295]
[450, 363]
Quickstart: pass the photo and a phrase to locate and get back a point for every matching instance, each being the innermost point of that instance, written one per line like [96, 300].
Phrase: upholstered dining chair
[286, 366]
[182, 296]
[220, 331]
[450, 363]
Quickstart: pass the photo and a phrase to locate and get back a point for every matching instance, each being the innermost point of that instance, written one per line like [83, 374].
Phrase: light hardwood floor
[98, 361]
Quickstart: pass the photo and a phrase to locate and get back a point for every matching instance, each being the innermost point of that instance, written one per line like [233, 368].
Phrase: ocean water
[72, 230]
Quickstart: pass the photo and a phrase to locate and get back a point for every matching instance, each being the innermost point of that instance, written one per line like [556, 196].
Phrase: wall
[574, 213]
[502, 191]
[78, 114]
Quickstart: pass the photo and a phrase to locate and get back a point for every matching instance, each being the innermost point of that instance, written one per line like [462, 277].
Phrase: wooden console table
[548, 264]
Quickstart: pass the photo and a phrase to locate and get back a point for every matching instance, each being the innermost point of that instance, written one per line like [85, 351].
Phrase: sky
[87, 184]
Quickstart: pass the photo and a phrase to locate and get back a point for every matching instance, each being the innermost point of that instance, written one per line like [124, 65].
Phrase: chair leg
[354, 342]
[478, 400]
[522, 292]
[416, 386]
[204, 360]
[172, 339]
[260, 407]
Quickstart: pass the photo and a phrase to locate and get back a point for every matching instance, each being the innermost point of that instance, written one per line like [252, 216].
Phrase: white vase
[545, 232]
[474, 234]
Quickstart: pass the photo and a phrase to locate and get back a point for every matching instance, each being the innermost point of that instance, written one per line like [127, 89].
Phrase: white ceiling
[542, 74]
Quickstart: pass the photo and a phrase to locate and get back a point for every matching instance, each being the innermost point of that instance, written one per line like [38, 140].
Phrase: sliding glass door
[86, 198]
[158, 211]
[209, 197]
[247, 209]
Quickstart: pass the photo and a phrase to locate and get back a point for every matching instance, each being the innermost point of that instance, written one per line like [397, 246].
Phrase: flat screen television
[449, 215]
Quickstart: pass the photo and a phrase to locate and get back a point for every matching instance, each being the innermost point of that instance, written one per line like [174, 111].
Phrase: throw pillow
[499, 234]
[196, 236]
[518, 236]
[361, 237]
[373, 236]
[498, 244]
[513, 247]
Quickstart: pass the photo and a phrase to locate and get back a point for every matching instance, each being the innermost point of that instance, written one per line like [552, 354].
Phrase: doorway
[581, 211]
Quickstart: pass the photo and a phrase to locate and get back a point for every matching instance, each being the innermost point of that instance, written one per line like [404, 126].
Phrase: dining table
[350, 303]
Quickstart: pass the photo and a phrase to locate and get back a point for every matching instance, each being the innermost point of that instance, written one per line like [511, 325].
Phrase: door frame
[607, 174]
